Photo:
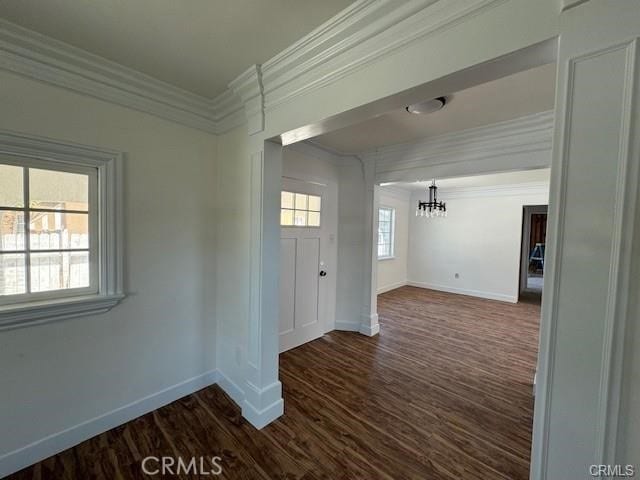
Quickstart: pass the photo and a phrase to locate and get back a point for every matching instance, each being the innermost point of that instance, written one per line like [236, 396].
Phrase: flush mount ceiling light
[428, 106]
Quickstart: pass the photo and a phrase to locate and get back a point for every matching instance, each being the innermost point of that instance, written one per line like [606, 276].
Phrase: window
[59, 230]
[48, 240]
[386, 225]
[299, 210]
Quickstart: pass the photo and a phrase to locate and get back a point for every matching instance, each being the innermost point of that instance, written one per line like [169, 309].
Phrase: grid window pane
[12, 234]
[300, 218]
[301, 201]
[58, 190]
[300, 209]
[59, 270]
[13, 274]
[286, 200]
[385, 232]
[314, 203]
[313, 219]
[286, 217]
[58, 230]
[11, 186]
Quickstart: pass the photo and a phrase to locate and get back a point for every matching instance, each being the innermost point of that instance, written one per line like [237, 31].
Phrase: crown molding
[531, 133]
[248, 86]
[37, 56]
[529, 188]
[356, 37]
[397, 192]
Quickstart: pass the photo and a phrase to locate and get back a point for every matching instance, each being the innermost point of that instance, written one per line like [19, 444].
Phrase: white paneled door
[303, 266]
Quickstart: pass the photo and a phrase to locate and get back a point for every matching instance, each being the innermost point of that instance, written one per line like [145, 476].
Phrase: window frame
[105, 227]
[392, 235]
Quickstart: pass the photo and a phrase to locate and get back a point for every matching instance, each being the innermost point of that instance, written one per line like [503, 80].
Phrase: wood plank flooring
[444, 392]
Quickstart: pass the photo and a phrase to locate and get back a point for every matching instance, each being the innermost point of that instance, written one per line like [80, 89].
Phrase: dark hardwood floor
[444, 392]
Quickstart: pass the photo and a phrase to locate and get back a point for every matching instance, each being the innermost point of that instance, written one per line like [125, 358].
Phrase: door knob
[323, 273]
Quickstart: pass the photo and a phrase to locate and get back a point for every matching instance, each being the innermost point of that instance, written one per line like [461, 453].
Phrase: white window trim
[393, 232]
[110, 232]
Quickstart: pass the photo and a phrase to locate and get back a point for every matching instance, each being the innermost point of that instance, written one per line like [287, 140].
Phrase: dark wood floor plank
[443, 393]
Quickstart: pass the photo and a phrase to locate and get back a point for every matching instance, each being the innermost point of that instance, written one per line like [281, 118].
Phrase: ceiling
[198, 45]
[491, 180]
[523, 93]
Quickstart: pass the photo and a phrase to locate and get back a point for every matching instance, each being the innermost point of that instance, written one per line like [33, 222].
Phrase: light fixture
[428, 106]
[432, 208]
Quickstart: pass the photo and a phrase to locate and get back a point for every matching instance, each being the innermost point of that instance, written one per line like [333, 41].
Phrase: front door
[303, 269]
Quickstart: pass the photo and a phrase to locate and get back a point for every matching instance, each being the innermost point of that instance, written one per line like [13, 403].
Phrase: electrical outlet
[457, 275]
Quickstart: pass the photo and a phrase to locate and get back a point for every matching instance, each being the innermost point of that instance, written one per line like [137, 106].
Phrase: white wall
[57, 375]
[392, 272]
[479, 240]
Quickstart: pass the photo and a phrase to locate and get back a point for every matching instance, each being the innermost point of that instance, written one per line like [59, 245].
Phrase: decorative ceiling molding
[529, 188]
[397, 192]
[532, 133]
[248, 87]
[42, 58]
[359, 35]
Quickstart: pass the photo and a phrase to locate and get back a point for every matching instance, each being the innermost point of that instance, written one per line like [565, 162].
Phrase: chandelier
[432, 208]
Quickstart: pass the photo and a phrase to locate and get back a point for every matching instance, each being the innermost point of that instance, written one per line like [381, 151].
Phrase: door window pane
[11, 186]
[314, 219]
[300, 210]
[11, 230]
[301, 201]
[13, 274]
[286, 217]
[300, 218]
[314, 203]
[286, 200]
[58, 190]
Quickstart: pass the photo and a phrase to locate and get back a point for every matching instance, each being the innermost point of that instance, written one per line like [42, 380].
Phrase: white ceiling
[198, 45]
[523, 93]
[492, 180]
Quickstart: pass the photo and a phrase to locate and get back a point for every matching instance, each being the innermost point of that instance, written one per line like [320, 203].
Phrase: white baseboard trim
[230, 388]
[348, 326]
[392, 286]
[262, 406]
[40, 449]
[262, 418]
[461, 291]
[370, 330]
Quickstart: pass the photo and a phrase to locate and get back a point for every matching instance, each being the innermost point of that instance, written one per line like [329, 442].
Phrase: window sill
[34, 313]
[386, 258]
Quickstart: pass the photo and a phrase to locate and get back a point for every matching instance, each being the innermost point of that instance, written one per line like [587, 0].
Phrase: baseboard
[230, 388]
[348, 326]
[262, 418]
[461, 291]
[261, 406]
[370, 330]
[392, 286]
[39, 450]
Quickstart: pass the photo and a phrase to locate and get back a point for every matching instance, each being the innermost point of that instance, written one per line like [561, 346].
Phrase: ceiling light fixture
[432, 208]
[428, 106]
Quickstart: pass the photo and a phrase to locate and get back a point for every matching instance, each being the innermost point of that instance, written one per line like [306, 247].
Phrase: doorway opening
[534, 233]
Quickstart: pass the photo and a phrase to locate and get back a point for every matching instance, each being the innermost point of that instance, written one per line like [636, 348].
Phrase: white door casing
[303, 289]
